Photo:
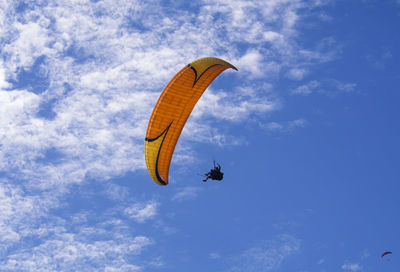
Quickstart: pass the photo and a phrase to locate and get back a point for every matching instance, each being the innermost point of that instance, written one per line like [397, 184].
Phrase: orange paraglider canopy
[171, 111]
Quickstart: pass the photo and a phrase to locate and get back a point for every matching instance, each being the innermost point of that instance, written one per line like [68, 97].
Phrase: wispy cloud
[3, 83]
[365, 254]
[235, 105]
[297, 73]
[344, 87]
[306, 89]
[327, 87]
[116, 192]
[268, 257]
[142, 212]
[215, 255]
[95, 70]
[285, 126]
[186, 193]
[38, 233]
[82, 247]
[354, 267]
[380, 61]
[99, 59]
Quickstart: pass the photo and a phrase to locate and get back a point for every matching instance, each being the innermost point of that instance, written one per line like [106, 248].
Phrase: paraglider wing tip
[203, 63]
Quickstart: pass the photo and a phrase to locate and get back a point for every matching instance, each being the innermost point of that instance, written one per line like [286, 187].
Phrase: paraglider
[385, 253]
[215, 173]
[171, 111]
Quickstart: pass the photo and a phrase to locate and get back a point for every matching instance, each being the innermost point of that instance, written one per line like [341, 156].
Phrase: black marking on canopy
[153, 139]
[159, 178]
[195, 72]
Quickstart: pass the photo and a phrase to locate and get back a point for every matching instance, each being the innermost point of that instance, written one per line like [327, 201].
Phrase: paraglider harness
[214, 174]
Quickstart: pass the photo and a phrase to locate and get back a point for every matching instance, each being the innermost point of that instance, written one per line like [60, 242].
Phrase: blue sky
[306, 132]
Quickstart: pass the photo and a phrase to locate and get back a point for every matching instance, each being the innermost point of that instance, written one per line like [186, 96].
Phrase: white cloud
[297, 73]
[274, 126]
[285, 126]
[268, 257]
[235, 105]
[85, 249]
[345, 87]
[116, 192]
[32, 42]
[306, 89]
[351, 267]
[297, 123]
[252, 62]
[100, 121]
[186, 193]
[105, 63]
[141, 212]
[215, 255]
[365, 254]
[3, 83]
[327, 87]
[84, 241]
[20, 210]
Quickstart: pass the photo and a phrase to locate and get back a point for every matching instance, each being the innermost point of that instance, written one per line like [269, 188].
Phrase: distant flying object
[385, 253]
[171, 111]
